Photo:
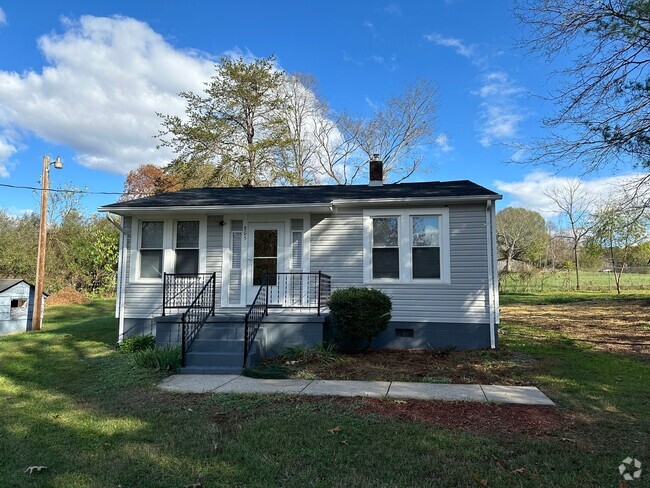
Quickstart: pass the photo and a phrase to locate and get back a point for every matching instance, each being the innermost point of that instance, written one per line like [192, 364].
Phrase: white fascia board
[222, 209]
[410, 201]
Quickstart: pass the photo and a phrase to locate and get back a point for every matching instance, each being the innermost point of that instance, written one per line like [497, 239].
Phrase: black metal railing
[256, 313]
[180, 290]
[300, 290]
[197, 314]
[287, 290]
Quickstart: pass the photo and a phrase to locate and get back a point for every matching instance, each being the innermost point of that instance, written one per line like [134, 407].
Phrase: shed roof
[7, 283]
[307, 195]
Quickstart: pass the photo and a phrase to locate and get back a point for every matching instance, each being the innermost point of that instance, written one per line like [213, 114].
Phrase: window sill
[409, 282]
[147, 281]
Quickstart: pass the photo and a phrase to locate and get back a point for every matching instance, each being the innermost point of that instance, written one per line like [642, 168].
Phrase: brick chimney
[376, 171]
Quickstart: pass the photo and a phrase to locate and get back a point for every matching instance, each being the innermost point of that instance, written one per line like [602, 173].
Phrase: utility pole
[37, 315]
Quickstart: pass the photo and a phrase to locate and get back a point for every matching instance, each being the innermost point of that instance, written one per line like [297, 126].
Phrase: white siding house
[429, 246]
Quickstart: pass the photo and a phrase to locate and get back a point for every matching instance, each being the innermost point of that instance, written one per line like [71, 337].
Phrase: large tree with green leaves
[232, 134]
[603, 94]
[521, 234]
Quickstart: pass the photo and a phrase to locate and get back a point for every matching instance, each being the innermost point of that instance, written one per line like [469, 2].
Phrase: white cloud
[3, 17]
[350, 59]
[467, 51]
[500, 114]
[368, 25]
[104, 80]
[387, 63]
[393, 9]
[529, 192]
[442, 141]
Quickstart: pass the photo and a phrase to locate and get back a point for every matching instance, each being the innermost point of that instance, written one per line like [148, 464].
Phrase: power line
[63, 190]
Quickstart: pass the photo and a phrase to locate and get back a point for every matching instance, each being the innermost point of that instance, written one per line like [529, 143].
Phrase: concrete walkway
[198, 383]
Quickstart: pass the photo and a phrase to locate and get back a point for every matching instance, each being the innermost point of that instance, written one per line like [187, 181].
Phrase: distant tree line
[586, 234]
[82, 251]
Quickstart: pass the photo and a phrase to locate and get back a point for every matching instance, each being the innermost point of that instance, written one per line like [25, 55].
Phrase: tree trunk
[575, 260]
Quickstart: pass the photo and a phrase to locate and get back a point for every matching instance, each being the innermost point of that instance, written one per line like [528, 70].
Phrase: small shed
[16, 305]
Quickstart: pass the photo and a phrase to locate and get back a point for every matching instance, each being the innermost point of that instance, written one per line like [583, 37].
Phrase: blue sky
[83, 80]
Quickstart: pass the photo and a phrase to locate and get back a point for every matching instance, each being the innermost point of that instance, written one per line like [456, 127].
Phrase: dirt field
[610, 325]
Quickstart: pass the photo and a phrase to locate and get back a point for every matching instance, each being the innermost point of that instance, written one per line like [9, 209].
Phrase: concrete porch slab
[244, 384]
[347, 388]
[435, 391]
[522, 395]
[195, 383]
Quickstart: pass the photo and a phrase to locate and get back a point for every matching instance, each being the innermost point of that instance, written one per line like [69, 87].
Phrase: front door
[265, 247]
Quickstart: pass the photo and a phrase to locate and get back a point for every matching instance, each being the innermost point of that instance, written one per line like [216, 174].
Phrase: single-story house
[215, 268]
[16, 305]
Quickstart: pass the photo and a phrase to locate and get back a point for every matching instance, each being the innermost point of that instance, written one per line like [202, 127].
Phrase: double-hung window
[385, 248]
[406, 246]
[425, 246]
[151, 249]
[187, 246]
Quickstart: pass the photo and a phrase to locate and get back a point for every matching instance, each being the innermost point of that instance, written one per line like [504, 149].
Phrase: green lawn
[70, 402]
[538, 281]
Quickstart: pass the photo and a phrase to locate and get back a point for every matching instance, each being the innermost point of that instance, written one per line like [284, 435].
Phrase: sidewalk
[199, 383]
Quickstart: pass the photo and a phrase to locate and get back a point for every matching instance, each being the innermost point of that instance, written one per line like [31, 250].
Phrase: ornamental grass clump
[359, 314]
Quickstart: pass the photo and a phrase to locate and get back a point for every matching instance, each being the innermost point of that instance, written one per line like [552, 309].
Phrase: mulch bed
[475, 417]
[66, 296]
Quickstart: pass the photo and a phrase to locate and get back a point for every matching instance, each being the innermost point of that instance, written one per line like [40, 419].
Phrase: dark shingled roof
[296, 195]
[8, 283]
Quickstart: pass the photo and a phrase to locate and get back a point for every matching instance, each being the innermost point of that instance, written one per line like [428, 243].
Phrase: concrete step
[219, 345]
[221, 332]
[211, 370]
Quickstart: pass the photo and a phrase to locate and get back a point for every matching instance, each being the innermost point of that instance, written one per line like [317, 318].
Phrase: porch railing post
[214, 291]
[318, 290]
[245, 340]
[266, 302]
[164, 293]
[183, 340]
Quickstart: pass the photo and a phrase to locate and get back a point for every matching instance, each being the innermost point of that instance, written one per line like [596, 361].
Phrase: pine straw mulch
[621, 327]
[530, 420]
[66, 296]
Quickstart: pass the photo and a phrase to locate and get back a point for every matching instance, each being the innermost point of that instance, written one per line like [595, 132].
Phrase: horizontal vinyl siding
[142, 300]
[214, 250]
[337, 249]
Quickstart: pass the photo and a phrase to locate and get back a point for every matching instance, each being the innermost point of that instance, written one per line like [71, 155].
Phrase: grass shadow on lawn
[69, 401]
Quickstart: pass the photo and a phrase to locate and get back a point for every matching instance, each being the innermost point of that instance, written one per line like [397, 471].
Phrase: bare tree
[619, 228]
[400, 129]
[603, 98]
[300, 115]
[574, 204]
[338, 154]
[521, 234]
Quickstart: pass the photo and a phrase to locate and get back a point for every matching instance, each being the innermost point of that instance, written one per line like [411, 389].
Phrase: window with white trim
[406, 246]
[425, 246]
[385, 248]
[186, 247]
[151, 249]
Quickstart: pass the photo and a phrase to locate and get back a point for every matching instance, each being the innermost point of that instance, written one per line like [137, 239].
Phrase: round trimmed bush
[359, 314]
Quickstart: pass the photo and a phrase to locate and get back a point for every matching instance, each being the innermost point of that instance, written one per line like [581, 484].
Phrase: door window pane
[261, 266]
[187, 234]
[266, 243]
[152, 235]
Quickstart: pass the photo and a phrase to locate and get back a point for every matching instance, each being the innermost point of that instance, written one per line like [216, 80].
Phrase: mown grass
[70, 402]
[559, 297]
[537, 281]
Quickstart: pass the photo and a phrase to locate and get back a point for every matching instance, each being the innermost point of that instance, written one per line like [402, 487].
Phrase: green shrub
[359, 314]
[166, 358]
[138, 343]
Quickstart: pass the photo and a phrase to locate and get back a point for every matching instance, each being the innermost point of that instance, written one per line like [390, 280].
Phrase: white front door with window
[265, 256]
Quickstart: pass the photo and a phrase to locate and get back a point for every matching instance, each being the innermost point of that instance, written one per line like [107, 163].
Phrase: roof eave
[222, 209]
[414, 200]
